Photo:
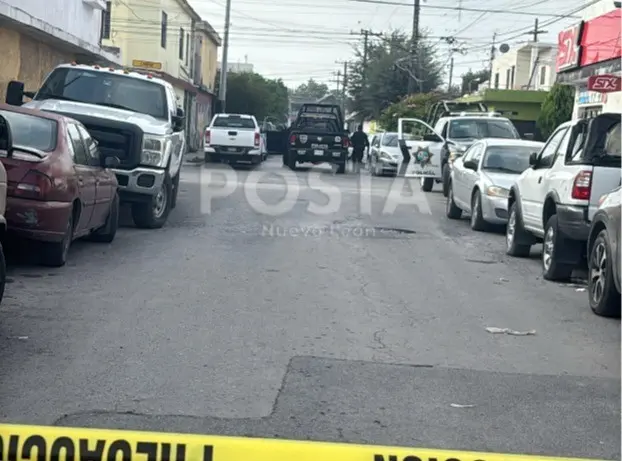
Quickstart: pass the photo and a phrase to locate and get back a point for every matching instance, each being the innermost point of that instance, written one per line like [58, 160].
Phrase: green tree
[556, 109]
[471, 79]
[384, 78]
[413, 106]
[251, 93]
[311, 90]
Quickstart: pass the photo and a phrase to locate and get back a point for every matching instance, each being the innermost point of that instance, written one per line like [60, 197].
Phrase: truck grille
[113, 142]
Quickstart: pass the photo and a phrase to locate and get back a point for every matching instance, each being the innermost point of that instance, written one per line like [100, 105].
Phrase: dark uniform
[359, 144]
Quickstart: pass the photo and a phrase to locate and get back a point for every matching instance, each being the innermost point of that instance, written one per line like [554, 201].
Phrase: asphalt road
[352, 326]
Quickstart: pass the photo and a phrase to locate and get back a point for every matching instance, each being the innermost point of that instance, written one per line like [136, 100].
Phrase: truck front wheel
[153, 213]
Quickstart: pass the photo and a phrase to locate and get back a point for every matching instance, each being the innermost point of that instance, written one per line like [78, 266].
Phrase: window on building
[182, 36]
[187, 47]
[163, 30]
[497, 81]
[508, 77]
[513, 75]
[543, 75]
[105, 27]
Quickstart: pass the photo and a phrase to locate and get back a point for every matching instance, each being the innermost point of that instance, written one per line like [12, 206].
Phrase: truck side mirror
[6, 138]
[178, 120]
[533, 159]
[15, 93]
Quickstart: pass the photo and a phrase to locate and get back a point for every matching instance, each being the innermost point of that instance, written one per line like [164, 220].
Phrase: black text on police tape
[38, 448]
[413, 458]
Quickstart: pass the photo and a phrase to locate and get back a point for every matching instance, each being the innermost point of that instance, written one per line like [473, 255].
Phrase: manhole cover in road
[481, 261]
[395, 230]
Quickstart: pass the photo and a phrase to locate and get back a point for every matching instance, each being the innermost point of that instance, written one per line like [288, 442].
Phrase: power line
[474, 10]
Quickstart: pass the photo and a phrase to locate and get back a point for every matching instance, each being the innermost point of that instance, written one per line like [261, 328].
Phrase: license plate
[318, 152]
[232, 149]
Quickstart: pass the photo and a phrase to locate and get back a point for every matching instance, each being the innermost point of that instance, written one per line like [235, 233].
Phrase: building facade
[37, 35]
[589, 49]
[528, 67]
[162, 37]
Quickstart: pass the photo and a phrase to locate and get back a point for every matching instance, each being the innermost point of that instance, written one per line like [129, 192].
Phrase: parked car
[5, 143]
[480, 181]
[384, 154]
[59, 186]
[461, 129]
[604, 256]
[233, 138]
[555, 200]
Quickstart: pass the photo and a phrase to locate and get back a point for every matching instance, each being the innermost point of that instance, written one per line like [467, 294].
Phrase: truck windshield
[233, 122]
[108, 89]
[314, 123]
[478, 128]
[31, 131]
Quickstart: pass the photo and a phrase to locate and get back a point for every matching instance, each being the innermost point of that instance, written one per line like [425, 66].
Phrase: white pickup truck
[233, 138]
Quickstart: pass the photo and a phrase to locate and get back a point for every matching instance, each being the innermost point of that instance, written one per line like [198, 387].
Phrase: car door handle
[539, 179]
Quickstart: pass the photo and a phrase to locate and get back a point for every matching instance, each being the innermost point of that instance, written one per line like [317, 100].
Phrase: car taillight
[257, 138]
[582, 186]
[292, 139]
[34, 185]
[208, 137]
[346, 142]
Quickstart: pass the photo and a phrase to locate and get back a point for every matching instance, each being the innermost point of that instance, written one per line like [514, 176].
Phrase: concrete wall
[27, 59]
[76, 18]
[209, 61]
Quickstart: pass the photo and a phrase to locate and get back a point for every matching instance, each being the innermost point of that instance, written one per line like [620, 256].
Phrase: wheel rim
[598, 270]
[548, 248]
[475, 209]
[159, 203]
[511, 229]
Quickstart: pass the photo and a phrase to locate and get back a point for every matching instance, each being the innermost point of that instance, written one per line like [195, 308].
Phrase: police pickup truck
[132, 116]
[317, 136]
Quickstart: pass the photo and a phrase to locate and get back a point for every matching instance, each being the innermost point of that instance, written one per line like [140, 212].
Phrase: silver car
[480, 180]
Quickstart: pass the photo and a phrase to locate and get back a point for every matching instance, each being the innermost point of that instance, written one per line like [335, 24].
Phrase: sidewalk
[193, 158]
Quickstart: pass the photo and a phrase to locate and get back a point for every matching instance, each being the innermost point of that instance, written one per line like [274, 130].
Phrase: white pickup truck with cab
[132, 116]
[233, 138]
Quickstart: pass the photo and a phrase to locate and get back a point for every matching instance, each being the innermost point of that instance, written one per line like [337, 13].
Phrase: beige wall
[27, 60]
[139, 39]
[209, 62]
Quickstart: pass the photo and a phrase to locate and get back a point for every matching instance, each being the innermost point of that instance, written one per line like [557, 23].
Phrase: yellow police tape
[37, 443]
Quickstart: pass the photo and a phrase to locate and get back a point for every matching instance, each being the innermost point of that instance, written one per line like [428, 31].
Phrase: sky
[296, 40]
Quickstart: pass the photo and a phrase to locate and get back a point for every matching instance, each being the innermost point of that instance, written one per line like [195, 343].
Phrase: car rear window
[32, 131]
[314, 123]
[234, 122]
[478, 128]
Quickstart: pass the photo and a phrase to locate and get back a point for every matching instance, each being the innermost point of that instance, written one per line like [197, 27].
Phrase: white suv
[555, 199]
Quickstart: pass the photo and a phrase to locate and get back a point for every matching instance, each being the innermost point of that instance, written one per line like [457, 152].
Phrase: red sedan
[59, 187]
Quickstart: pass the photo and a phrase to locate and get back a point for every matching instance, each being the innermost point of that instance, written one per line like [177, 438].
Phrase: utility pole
[338, 79]
[415, 48]
[536, 32]
[451, 73]
[492, 58]
[366, 33]
[344, 85]
[224, 64]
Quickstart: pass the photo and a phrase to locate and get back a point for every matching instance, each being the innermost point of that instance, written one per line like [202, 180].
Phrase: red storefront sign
[569, 48]
[605, 83]
[600, 39]
[590, 42]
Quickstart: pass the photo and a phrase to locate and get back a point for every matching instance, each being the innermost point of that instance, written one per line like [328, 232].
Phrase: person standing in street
[359, 144]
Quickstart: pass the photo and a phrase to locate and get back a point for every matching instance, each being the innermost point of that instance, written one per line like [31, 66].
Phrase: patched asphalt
[344, 326]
